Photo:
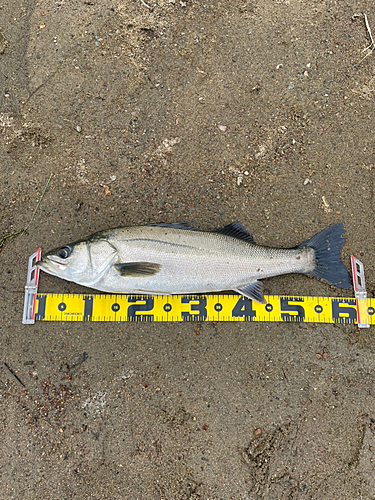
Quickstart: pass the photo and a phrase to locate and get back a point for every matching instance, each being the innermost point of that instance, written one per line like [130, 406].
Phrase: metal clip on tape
[31, 289]
[360, 292]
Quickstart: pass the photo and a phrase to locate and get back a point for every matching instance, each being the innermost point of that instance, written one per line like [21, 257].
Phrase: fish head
[84, 262]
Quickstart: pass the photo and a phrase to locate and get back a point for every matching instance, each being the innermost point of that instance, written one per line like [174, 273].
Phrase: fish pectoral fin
[137, 269]
[253, 291]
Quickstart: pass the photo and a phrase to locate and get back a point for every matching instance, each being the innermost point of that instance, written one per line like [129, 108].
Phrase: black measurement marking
[318, 309]
[201, 307]
[269, 308]
[87, 313]
[61, 307]
[285, 305]
[344, 311]
[244, 309]
[146, 305]
[218, 307]
[115, 307]
[40, 315]
[370, 311]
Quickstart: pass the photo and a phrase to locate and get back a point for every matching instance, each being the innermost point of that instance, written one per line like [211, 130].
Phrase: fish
[167, 259]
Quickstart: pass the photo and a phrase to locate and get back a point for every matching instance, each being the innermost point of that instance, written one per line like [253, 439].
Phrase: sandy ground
[204, 112]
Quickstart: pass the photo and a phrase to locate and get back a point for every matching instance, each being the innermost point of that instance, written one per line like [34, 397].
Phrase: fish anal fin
[236, 230]
[253, 291]
[137, 269]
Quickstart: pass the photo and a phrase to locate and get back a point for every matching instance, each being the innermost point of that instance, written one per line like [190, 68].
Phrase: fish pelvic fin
[329, 266]
[253, 291]
[137, 269]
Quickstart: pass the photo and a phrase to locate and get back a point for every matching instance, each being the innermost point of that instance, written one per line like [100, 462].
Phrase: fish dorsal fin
[236, 230]
[132, 269]
[253, 291]
[175, 225]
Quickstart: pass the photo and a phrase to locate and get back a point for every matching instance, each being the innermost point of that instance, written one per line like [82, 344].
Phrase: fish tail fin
[329, 266]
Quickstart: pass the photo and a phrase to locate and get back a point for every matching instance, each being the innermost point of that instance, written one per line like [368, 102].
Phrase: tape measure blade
[218, 307]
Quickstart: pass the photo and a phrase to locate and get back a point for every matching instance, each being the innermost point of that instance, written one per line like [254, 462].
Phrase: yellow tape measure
[170, 308]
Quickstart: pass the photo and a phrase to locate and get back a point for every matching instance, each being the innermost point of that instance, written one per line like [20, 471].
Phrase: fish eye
[64, 252]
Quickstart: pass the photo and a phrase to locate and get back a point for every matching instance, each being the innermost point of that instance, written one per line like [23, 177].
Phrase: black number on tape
[146, 305]
[344, 310]
[285, 306]
[244, 309]
[200, 307]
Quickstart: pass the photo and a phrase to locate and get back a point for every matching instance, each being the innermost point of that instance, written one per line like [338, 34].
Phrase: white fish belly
[196, 262]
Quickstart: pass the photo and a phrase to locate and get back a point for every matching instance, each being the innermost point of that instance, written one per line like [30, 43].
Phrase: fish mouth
[49, 266]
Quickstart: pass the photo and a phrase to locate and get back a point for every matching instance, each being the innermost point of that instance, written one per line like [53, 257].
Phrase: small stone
[325, 355]
[78, 128]
[222, 128]
[371, 448]
[305, 73]
[107, 191]
[306, 181]
[42, 26]
[258, 431]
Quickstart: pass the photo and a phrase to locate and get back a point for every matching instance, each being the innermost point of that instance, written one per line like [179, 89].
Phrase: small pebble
[258, 431]
[222, 128]
[78, 128]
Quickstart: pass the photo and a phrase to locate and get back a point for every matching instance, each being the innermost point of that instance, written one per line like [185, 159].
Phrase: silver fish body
[176, 259]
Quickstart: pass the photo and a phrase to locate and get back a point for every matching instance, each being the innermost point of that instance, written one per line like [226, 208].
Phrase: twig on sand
[371, 47]
[145, 4]
[9, 236]
[14, 374]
